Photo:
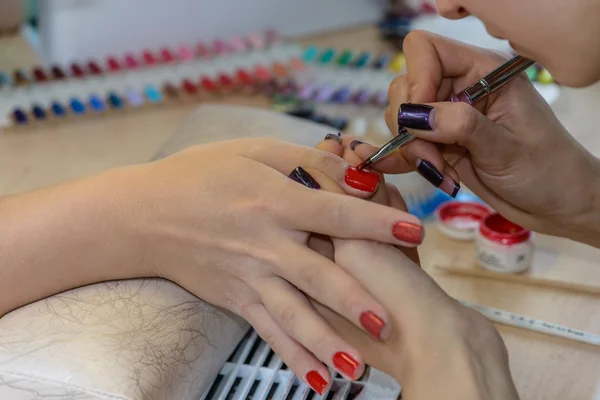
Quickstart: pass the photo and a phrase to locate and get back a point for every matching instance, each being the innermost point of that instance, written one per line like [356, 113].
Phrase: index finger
[430, 58]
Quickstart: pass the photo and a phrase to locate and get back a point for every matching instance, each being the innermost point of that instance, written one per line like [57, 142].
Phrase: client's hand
[438, 348]
[223, 221]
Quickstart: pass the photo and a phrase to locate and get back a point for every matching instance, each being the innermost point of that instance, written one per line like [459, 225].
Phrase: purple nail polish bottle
[324, 93]
[306, 92]
[381, 98]
[342, 95]
[361, 97]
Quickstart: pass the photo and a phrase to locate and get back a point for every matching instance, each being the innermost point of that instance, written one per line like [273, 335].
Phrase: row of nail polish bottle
[350, 59]
[130, 61]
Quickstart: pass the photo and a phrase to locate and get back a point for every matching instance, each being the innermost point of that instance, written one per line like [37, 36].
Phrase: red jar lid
[498, 229]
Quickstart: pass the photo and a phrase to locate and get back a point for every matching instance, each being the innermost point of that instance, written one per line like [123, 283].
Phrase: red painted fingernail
[113, 64]
[344, 363]
[373, 324]
[362, 180]
[316, 381]
[408, 232]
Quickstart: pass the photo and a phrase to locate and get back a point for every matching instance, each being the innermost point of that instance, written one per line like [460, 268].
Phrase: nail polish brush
[485, 86]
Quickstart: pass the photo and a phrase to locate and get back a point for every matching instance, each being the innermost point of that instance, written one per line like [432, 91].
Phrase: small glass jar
[503, 246]
[460, 220]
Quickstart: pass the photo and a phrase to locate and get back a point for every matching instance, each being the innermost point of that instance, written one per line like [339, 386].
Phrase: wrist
[467, 360]
[582, 224]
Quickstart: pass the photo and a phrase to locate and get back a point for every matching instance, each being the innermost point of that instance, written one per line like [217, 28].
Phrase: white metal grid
[255, 372]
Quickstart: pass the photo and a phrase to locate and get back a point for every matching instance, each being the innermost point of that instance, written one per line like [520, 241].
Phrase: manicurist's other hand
[510, 149]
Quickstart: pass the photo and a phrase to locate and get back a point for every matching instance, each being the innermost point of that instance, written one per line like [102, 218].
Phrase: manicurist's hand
[510, 149]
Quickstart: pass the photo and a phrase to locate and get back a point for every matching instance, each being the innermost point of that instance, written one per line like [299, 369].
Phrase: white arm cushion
[138, 339]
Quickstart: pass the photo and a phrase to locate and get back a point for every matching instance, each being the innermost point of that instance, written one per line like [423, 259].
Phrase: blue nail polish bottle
[382, 62]
[58, 109]
[5, 79]
[38, 112]
[19, 116]
[96, 103]
[328, 56]
[310, 53]
[362, 60]
[342, 95]
[152, 94]
[77, 106]
[115, 101]
[338, 123]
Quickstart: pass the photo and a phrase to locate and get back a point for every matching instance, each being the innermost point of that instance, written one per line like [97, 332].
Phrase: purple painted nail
[331, 136]
[301, 176]
[354, 144]
[416, 116]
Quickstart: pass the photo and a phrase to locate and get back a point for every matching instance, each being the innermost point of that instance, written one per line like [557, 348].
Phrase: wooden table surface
[543, 367]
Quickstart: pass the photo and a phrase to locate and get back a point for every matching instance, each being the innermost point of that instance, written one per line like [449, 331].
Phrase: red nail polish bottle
[148, 57]
[58, 73]
[94, 68]
[77, 71]
[244, 77]
[131, 61]
[202, 50]
[39, 75]
[209, 85]
[113, 64]
[189, 87]
[166, 55]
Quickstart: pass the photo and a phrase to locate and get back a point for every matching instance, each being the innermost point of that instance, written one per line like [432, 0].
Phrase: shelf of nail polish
[147, 59]
[195, 79]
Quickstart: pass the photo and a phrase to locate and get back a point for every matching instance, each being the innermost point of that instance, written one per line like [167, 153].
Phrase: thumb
[452, 123]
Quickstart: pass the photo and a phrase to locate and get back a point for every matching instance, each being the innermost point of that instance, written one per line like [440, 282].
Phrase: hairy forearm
[65, 236]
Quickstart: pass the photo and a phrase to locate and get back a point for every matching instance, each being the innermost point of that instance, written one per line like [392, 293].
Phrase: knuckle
[310, 278]
[413, 38]
[325, 162]
[288, 317]
[334, 215]
[468, 122]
